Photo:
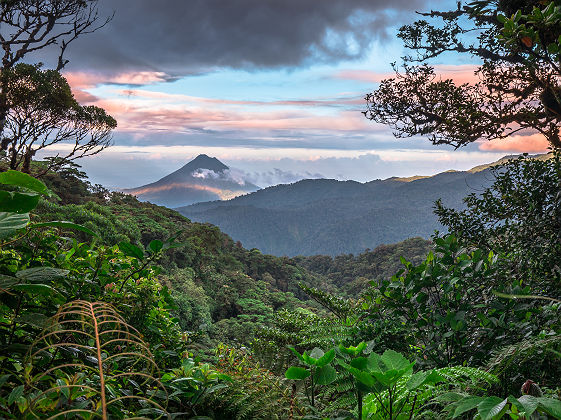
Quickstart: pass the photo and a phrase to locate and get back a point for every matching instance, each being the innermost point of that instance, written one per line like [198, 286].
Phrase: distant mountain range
[326, 216]
[202, 179]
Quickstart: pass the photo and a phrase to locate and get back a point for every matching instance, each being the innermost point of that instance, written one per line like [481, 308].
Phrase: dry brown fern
[89, 363]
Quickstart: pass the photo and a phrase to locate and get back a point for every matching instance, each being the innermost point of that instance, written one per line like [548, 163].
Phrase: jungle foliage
[111, 308]
[114, 308]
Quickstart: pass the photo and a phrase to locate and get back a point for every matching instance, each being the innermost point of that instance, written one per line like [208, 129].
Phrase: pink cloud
[459, 73]
[535, 143]
[462, 73]
[80, 82]
[361, 75]
[86, 80]
[142, 117]
[141, 111]
[343, 100]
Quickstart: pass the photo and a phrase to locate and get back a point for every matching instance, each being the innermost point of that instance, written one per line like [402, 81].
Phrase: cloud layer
[178, 36]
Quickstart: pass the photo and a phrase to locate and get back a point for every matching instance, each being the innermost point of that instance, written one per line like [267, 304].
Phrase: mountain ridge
[331, 217]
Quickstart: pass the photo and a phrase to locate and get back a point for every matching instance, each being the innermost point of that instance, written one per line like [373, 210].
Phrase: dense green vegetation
[111, 308]
[220, 321]
[326, 216]
[352, 274]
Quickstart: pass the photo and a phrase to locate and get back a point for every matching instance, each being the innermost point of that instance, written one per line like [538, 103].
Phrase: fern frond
[93, 363]
[464, 375]
[520, 352]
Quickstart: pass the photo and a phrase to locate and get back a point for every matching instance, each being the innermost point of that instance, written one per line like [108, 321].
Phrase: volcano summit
[203, 179]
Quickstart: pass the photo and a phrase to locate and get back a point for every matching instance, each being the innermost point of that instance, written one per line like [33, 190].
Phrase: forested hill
[325, 216]
[352, 274]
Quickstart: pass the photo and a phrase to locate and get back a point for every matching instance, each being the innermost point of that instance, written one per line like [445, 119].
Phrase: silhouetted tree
[42, 112]
[516, 89]
[27, 26]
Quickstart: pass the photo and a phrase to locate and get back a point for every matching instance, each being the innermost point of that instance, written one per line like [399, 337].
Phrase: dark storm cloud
[182, 36]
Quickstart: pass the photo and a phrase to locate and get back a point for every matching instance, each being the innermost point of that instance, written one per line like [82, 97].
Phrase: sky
[273, 88]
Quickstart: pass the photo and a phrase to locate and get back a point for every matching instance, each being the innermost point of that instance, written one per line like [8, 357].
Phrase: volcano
[202, 179]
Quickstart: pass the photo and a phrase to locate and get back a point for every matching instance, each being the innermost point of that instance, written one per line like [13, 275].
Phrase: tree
[42, 112]
[32, 25]
[518, 215]
[517, 87]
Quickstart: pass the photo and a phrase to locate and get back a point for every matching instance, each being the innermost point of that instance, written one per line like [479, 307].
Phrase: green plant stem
[313, 390]
[381, 403]
[14, 322]
[413, 407]
[391, 403]
[133, 273]
[402, 405]
[359, 398]
[99, 262]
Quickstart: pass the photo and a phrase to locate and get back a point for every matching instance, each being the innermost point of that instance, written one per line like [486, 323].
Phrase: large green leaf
[15, 394]
[326, 359]
[424, 378]
[526, 404]
[395, 361]
[374, 363]
[363, 377]
[16, 202]
[390, 367]
[7, 282]
[466, 404]
[295, 352]
[42, 274]
[316, 353]
[40, 290]
[22, 180]
[34, 319]
[312, 358]
[156, 245]
[353, 351]
[325, 375]
[416, 380]
[551, 406]
[492, 408]
[10, 223]
[360, 363]
[131, 250]
[64, 225]
[297, 373]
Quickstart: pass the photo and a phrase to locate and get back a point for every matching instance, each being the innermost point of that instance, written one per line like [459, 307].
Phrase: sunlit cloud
[81, 81]
[459, 73]
[134, 114]
[181, 98]
[361, 75]
[535, 143]
[88, 80]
